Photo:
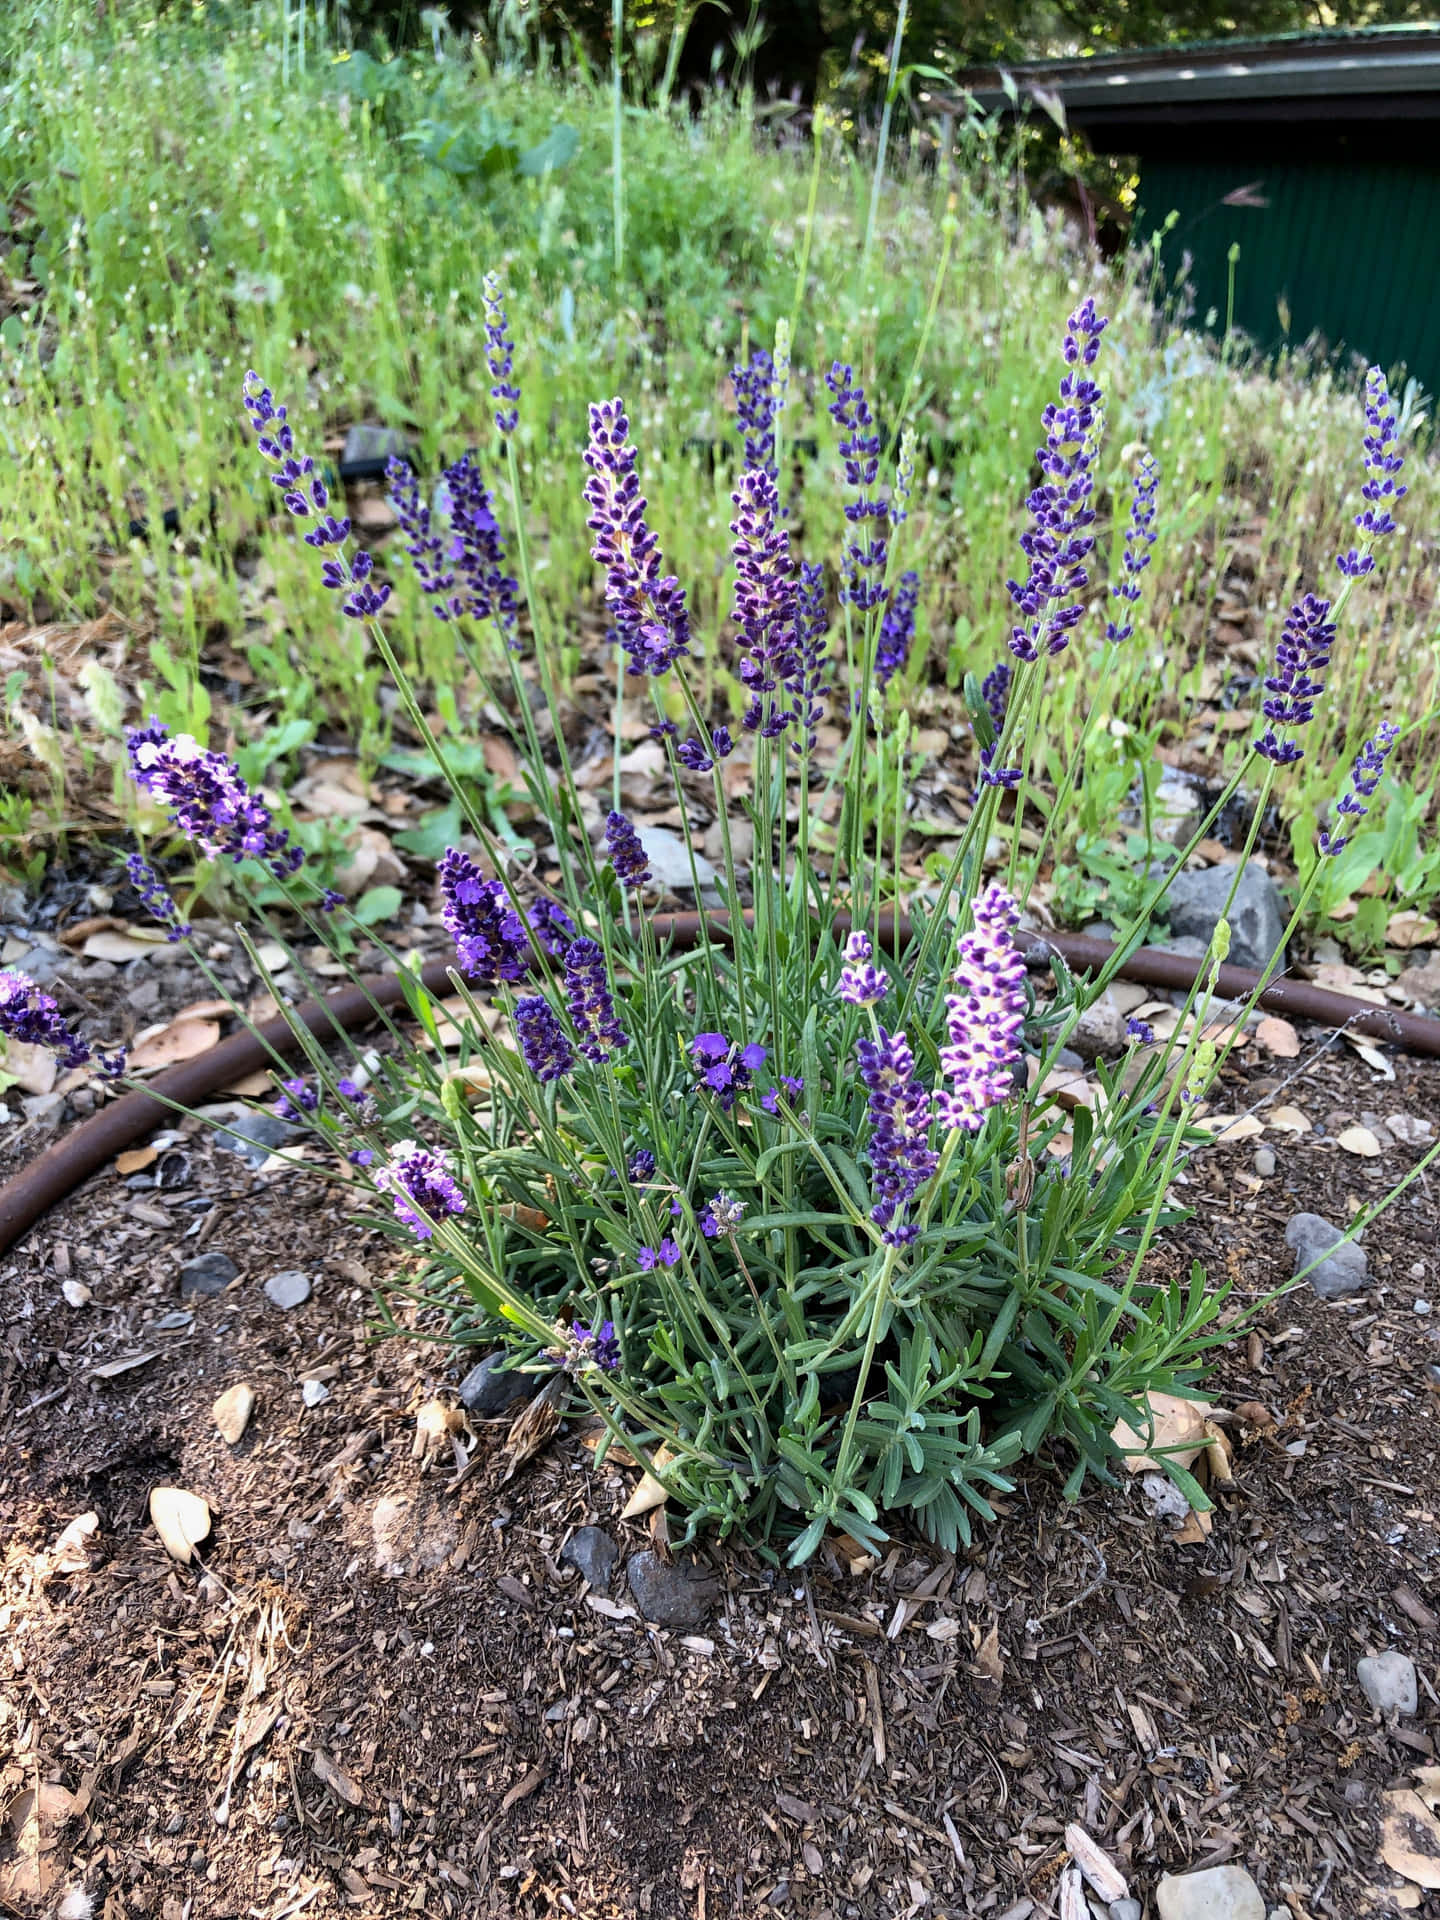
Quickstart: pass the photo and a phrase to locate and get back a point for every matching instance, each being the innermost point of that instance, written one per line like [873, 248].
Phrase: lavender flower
[626, 851]
[477, 552]
[641, 1167]
[897, 630]
[995, 692]
[865, 556]
[1140, 1031]
[207, 800]
[592, 1008]
[691, 753]
[766, 607]
[652, 621]
[1304, 652]
[424, 545]
[901, 1158]
[755, 409]
[35, 1020]
[985, 1015]
[1058, 541]
[491, 942]
[861, 984]
[790, 1084]
[721, 741]
[1139, 538]
[1364, 779]
[584, 1348]
[423, 1189]
[806, 685]
[155, 895]
[306, 495]
[724, 1068]
[551, 925]
[721, 1217]
[499, 355]
[667, 1254]
[546, 1051]
[1381, 465]
[295, 1098]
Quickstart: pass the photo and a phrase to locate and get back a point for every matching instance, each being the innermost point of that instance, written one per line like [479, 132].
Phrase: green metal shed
[1316, 156]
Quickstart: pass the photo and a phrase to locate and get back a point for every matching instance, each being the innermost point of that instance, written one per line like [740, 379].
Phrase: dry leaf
[1410, 1837]
[335, 1777]
[650, 1492]
[1096, 1865]
[1361, 1141]
[988, 1667]
[181, 1040]
[181, 1519]
[1196, 1530]
[232, 1412]
[1179, 1430]
[1287, 1120]
[71, 1552]
[1277, 1036]
[1409, 1130]
[33, 1069]
[35, 1818]
[1228, 1128]
[136, 1159]
[112, 1369]
[121, 947]
[1410, 929]
[438, 1426]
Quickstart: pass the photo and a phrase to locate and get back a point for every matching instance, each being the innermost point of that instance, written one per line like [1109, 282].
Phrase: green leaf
[435, 832]
[378, 904]
[557, 149]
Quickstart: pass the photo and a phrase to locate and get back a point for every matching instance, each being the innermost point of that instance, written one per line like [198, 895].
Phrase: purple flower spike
[641, 1167]
[1306, 640]
[792, 1085]
[1058, 541]
[985, 1015]
[551, 925]
[424, 545]
[1140, 1031]
[155, 895]
[901, 1158]
[294, 1098]
[490, 938]
[755, 411]
[592, 1007]
[720, 1219]
[586, 1348]
[1139, 538]
[1364, 779]
[766, 607]
[422, 1187]
[995, 692]
[500, 355]
[35, 1020]
[865, 555]
[861, 985]
[626, 851]
[477, 552]
[652, 621]
[1382, 463]
[691, 753]
[897, 630]
[667, 1254]
[807, 684]
[725, 1069]
[546, 1051]
[207, 800]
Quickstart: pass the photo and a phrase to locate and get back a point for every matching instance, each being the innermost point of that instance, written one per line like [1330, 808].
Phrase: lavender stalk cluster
[35, 1020]
[648, 608]
[551, 926]
[1364, 779]
[984, 1015]
[544, 1046]
[901, 1158]
[868, 547]
[1382, 462]
[462, 574]
[1302, 655]
[724, 1067]
[756, 410]
[766, 605]
[207, 800]
[156, 897]
[1139, 539]
[491, 940]
[897, 629]
[808, 685]
[626, 852]
[861, 984]
[422, 1187]
[995, 692]
[591, 1003]
[500, 356]
[1058, 541]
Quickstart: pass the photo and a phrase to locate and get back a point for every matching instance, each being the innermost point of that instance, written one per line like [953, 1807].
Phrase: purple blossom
[641, 1167]
[721, 741]
[1139, 538]
[1303, 653]
[207, 800]
[1058, 541]
[985, 1015]
[720, 1219]
[806, 685]
[1364, 779]
[499, 355]
[592, 1007]
[790, 1084]
[546, 1051]
[901, 1158]
[995, 692]
[307, 497]
[1382, 463]
[626, 852]
[156, 897]
[294, 1098]
[667, 1254]
[490, 938]
[865, 554]
[897, 629]
[725, 1069]
[477, 551]
[35, 1020]
[423, 1190]
[1140, 1031]
[424, 545]
[861, 984]
[691, 753]
[755, 411]
[588, 1347]
[551, 925]
[652, 621]
[766, 606]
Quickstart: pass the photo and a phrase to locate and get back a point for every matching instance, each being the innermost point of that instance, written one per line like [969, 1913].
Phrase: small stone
[232, 1412]
[314, 1392]
[1176, 809]
[1219, 1893]
[1100, 1030]
[77, 1294]
[593, 1551]
[669, 861]
[1420, 1306]
[1265, 1163]
[1125, 1910]
[1195, 901]
[210, 1273]
[487, 1390]
[368, 447]
[1341, 1272]
[288, 1289]
[1389, 1683]
[255, 1137]
[1067, 1057]
[676, 1595]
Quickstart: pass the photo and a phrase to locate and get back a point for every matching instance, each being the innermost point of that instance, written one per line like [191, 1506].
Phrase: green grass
[183, 202]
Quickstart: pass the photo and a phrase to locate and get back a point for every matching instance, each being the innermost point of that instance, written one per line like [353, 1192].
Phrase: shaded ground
[417, 1707]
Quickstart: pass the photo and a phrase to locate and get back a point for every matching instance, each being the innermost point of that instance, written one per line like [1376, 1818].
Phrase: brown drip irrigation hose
[122, 1122]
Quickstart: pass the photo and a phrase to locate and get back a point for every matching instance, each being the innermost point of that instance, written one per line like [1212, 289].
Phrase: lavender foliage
[651, 619]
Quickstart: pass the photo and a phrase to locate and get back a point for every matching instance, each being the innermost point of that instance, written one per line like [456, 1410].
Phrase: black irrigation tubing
[120, 1123]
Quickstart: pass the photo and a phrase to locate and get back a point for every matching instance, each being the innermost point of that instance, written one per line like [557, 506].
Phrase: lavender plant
[793, 1209]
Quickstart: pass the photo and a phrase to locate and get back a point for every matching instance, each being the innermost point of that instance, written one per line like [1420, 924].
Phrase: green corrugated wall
[1352, 251]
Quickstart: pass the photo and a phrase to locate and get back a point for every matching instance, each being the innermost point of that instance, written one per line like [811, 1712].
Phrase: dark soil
[413, 1706]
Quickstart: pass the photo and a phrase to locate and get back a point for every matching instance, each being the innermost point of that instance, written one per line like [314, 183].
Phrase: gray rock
[678, 1595]
[1125, 1910]
[1100, 1030]
[1195, 902]
[1219, 1893]
[366, 442]
[488, 1390]
[670, 862]
[1265, 1162]
[288, 1289]
[1176, 809]
[1067, 1057]
[1389, 1682]
[40, 965]
[314, 1392]
[1341, 1272]
[593, 1551]
[208, 1273]
[1190, 945]
[255, 1137]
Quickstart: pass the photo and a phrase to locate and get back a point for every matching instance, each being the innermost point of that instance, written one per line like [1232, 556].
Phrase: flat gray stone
[1389, 1682]
[1219, 1893]
[593, 1551]
[1265, 1162]
[1341, 1272]
[1195, 902]
[366, 442]
[207, 1274]
[1177, 807]
[1125, 1910]
[488, 1390]
[1100, 1030]
[255, 1137]
[670, 862]
[677, 1595]
[288, 1289]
